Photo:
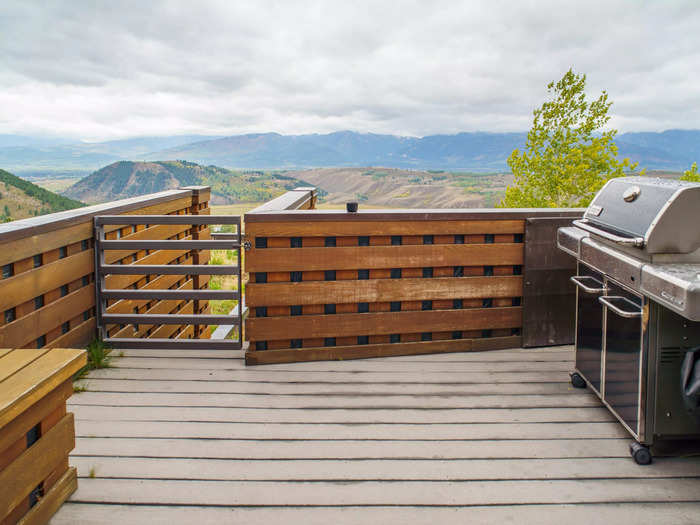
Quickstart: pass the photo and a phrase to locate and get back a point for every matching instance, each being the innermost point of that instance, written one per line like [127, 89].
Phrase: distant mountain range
[20, 199]
[477, 151]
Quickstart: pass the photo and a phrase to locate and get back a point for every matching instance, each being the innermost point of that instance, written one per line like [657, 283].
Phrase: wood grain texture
[408, 227]
[13, 361]
[27, 237]
[27, 285]
[78, 337]
[272, 328]
[19, 426]
[376, 290]
[35, 464]
[33, 244]
[20, 391]
[40, 514]
[253, 357]
[27, 328]
[352, 258]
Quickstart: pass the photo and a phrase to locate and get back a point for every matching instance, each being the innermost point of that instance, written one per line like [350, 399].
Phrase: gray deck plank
[259, 375]
[357, 365]
[502, 492]
[539, 354]
[221, 387]
[637, 513]
[491, 437]
[342, 416]
[265, 431]
[352, 449]
[357, 400]
[386, 469]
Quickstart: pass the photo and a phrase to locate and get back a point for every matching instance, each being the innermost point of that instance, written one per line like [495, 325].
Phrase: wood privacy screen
[47, 291]
[336, 285]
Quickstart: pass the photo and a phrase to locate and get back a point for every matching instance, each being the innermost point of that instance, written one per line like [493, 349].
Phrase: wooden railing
[47, 290]
[327, 284]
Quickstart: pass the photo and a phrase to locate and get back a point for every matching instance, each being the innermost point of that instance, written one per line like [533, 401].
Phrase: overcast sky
[109, 69]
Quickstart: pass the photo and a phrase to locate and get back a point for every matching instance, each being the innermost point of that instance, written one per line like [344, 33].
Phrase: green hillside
[128, 179]
[20, 199]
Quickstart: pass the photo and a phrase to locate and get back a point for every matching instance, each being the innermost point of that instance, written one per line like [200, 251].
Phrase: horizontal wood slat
[15, 361]
[52, 500]
[262, 357]
[27, 285]
[352, 258]
[158, 257]
[20, 391]
[308, 326]
[35, 464]
[167, 245]
[375, 290]
[26, 329]
[29, 246]
[18, 427]
[154, 232]
[56, 230]
[163, 208]
[78, 337]
[409, 227]
[171, 269]
[162, 282]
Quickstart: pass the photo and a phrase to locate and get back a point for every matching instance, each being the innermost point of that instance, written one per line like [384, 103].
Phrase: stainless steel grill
[638, 305]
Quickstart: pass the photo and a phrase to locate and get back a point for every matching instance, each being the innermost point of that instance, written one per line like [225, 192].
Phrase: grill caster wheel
[640, 453]
[577, 381]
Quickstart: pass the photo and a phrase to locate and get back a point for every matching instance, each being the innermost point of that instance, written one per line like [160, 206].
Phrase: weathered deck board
[638, 513]
[341, 416]
[222, 387]
[339, 366]
[352, 449]
[494, 437]
[385, 469]
[325, 431]
[418, 493]
[356, 400]
[397, 376]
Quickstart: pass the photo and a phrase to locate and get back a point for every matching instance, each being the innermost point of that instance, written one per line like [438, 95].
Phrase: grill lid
[659, 215]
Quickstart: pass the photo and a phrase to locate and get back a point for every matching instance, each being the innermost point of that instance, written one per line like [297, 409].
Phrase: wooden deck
[496, 437]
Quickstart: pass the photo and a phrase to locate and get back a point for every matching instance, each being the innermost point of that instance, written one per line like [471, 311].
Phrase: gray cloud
[99, 69]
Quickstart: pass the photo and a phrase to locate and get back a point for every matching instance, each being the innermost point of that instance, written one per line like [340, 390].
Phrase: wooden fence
[47, 290]
[327, 284]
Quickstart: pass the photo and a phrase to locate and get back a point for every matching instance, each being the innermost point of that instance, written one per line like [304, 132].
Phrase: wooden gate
[184, 301]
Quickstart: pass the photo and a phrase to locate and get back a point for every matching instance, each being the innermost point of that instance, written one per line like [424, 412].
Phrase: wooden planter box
[36, 433]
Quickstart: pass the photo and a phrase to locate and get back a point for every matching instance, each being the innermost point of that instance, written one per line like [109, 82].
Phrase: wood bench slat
[19, 391]
[14, 361]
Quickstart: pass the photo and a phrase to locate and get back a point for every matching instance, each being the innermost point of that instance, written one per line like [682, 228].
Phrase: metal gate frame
[102, 294]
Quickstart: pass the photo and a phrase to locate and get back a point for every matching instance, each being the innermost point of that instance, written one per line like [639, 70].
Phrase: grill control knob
[631, 193]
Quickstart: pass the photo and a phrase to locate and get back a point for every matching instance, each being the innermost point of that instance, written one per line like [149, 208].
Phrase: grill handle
[637, 242]
[578, 281]
[607, 300]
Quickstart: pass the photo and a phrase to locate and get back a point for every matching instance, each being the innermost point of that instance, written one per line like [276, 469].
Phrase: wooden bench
[36, 433]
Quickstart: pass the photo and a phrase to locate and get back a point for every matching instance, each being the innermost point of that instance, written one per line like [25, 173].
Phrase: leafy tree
[692, 174]
[568, 158]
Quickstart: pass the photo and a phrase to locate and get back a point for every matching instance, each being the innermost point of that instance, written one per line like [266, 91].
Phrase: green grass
[223, 282]
[98, 356]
